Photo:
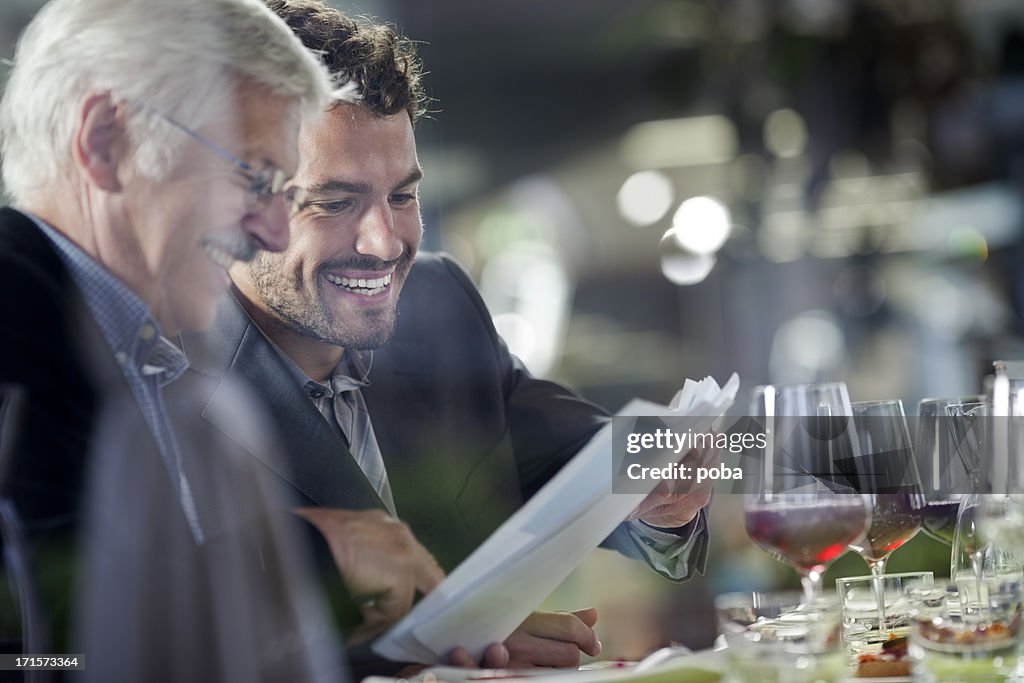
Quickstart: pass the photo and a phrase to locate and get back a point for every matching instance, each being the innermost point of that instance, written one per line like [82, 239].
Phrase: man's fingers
[690, 501]
[527, 651]
[496, 656]
[460, 657]
[563, 626]
[587, 615]
[428, 572]
[380, 561]
[391, 605]
[676, 502]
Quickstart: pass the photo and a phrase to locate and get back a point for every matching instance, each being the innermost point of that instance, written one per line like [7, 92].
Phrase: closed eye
[265, 182]
[330, 207]
[403, 198]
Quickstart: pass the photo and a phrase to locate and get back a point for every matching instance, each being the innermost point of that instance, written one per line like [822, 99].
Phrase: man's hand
[381, 562]
[674, 503]
[545, 639]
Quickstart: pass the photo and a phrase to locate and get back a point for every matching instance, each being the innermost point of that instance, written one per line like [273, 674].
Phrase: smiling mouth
[219, 256]
[361, 286]
[225, 255]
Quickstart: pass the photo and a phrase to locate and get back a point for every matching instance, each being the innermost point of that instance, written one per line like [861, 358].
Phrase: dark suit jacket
[48, 347]
[466, 433]
[88, 462]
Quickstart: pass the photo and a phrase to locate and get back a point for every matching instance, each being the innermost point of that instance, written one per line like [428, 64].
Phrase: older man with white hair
[146, 147]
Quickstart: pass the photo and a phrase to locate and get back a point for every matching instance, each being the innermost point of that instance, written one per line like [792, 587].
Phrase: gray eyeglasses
[263, 184]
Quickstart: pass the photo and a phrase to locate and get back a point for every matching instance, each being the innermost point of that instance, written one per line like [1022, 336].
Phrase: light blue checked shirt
[148, 360]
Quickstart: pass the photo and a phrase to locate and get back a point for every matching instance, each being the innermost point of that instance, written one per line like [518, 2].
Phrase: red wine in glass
[887, 476]
[807, 536]
[895, 518]
[801, 511]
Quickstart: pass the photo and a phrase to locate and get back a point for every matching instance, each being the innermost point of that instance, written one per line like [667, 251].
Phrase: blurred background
[795, 190]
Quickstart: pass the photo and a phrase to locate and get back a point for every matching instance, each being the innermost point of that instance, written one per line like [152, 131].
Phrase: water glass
[771, 639]
[860, 626]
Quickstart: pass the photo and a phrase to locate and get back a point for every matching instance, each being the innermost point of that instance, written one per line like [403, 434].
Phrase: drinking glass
[804, 511]
[862, 631]
[973, 554]
[886, 476]
[1000, 516]
[978, 572]
[945, 481]
[948, 452]
[969, 545]
[770, 638]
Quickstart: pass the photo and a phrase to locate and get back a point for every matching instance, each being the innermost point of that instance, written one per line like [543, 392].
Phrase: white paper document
[524, 560]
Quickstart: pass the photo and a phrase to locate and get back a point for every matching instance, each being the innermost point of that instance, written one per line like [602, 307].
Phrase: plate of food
[890, 663]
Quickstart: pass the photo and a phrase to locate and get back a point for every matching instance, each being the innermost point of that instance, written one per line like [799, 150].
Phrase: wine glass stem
[978, 570]
[878, 583]
[811, 582]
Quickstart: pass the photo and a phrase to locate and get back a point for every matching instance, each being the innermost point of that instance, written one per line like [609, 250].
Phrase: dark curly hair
[382, 63]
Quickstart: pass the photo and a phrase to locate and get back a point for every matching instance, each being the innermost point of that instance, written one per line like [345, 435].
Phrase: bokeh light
[645, 197]
[701, 225]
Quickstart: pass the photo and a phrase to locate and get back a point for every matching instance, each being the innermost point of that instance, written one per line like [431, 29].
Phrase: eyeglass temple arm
[213, 146]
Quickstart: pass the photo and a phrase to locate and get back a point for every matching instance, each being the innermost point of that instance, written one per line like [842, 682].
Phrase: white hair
[178, 57]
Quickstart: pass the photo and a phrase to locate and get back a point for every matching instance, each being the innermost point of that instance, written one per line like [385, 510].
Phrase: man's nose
[376, 234]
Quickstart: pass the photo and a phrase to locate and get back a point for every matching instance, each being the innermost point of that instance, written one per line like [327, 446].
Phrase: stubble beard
[311, 317]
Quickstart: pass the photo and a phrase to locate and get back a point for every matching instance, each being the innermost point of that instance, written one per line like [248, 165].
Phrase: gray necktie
[354, 419]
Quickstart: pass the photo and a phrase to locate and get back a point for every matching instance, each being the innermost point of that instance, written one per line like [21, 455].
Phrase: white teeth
[219, 256]
[361, 285]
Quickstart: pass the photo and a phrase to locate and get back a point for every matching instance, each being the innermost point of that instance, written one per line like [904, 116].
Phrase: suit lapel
[314, 458]
[408, 429]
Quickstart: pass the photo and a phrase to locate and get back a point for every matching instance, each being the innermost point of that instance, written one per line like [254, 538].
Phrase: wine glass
[969, 431]
[990, 519]
[945, 482]
[802, 512]
[970, 425]
[977, 561]
[1000, 515]
[886, 475]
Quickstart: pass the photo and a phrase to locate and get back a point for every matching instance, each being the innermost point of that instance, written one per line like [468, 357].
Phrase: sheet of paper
[700, 667]
[524, 560]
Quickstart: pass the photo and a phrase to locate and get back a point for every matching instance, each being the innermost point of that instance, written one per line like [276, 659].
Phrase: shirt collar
[124, 319]
[352, 372]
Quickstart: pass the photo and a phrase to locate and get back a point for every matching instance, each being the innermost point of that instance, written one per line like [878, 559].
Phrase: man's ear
[99, 141]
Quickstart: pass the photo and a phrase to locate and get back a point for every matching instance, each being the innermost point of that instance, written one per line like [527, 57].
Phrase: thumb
[587, 615]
